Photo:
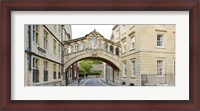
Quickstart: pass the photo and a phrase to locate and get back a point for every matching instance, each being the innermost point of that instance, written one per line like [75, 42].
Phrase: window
[159, 67]
[132, 41]
[54, 71]
[45, 71]
[117, 51]
[124, 47]
[54, 46]
[160, 40]
[36, 34]
[59, 48]
[133, 68]
[82, 46]
[111, 49]
[59, 70]
[75, 47]
[35, 70]
[45, 39]
[105, 46]
[69, 49]
[94, 42]
[124, 69]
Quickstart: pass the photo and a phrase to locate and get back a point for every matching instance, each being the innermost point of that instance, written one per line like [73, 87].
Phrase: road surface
[94, 82]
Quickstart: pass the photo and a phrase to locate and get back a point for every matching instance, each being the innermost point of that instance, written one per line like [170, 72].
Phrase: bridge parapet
[92, 41]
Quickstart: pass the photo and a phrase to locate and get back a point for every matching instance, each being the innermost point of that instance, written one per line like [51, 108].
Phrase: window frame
[75, 47]
[46, 39]
[133, 68]
[162, 46]
[54, 46]
[163, 68]
[132, 37]
[36, 34]
[45, 70]
[124, 47]
[35, 69]
[54, 71]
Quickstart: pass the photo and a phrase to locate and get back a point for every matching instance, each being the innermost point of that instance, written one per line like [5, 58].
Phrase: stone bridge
[92, 46]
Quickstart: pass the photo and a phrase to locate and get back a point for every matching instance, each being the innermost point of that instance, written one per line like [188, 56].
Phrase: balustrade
[92, 44]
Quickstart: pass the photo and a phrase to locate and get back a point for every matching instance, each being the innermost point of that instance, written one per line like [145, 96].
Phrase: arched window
[111, 49]
[69, 49]
[75, 47]
[105, 46]
[82, 46]
[117, 51]
[94, 42]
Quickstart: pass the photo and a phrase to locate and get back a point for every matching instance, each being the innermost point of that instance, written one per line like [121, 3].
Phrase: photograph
[99, 55]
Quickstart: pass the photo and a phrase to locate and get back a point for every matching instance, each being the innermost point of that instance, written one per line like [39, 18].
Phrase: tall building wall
[145, 53]
[43, 54]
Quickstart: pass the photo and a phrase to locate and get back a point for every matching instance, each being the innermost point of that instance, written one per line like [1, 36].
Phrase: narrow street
[94, 82]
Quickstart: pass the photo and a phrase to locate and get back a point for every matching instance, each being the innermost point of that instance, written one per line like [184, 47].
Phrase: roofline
[73, 40]
[115, 27]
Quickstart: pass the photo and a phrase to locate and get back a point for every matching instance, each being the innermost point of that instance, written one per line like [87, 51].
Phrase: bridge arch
[93, 46]
[90, 54]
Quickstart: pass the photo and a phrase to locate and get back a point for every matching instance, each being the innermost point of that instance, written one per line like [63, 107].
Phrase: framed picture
[148, 61]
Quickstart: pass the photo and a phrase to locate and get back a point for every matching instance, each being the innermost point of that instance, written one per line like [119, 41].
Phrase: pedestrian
[79, 80]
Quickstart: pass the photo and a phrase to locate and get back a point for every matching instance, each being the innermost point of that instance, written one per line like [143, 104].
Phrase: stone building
[44, 54]
[147, 55]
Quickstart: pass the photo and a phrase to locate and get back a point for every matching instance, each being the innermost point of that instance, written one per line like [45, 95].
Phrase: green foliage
[97, 62]
[85, 66]
[95, 72]
[81, 70]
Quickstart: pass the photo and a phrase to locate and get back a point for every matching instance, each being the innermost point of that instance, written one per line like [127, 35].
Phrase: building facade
[147, 55]
[44, 54]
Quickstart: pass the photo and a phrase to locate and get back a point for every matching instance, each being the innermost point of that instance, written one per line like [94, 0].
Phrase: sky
[82, 30]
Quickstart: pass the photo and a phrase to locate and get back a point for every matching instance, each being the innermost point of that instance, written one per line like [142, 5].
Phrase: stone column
[114, 52]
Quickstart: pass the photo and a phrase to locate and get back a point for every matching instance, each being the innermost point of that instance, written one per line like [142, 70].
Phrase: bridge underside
[101, 59]
[108, 58]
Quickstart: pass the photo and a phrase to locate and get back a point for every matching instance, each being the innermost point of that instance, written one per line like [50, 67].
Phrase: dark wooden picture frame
[7, 6]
